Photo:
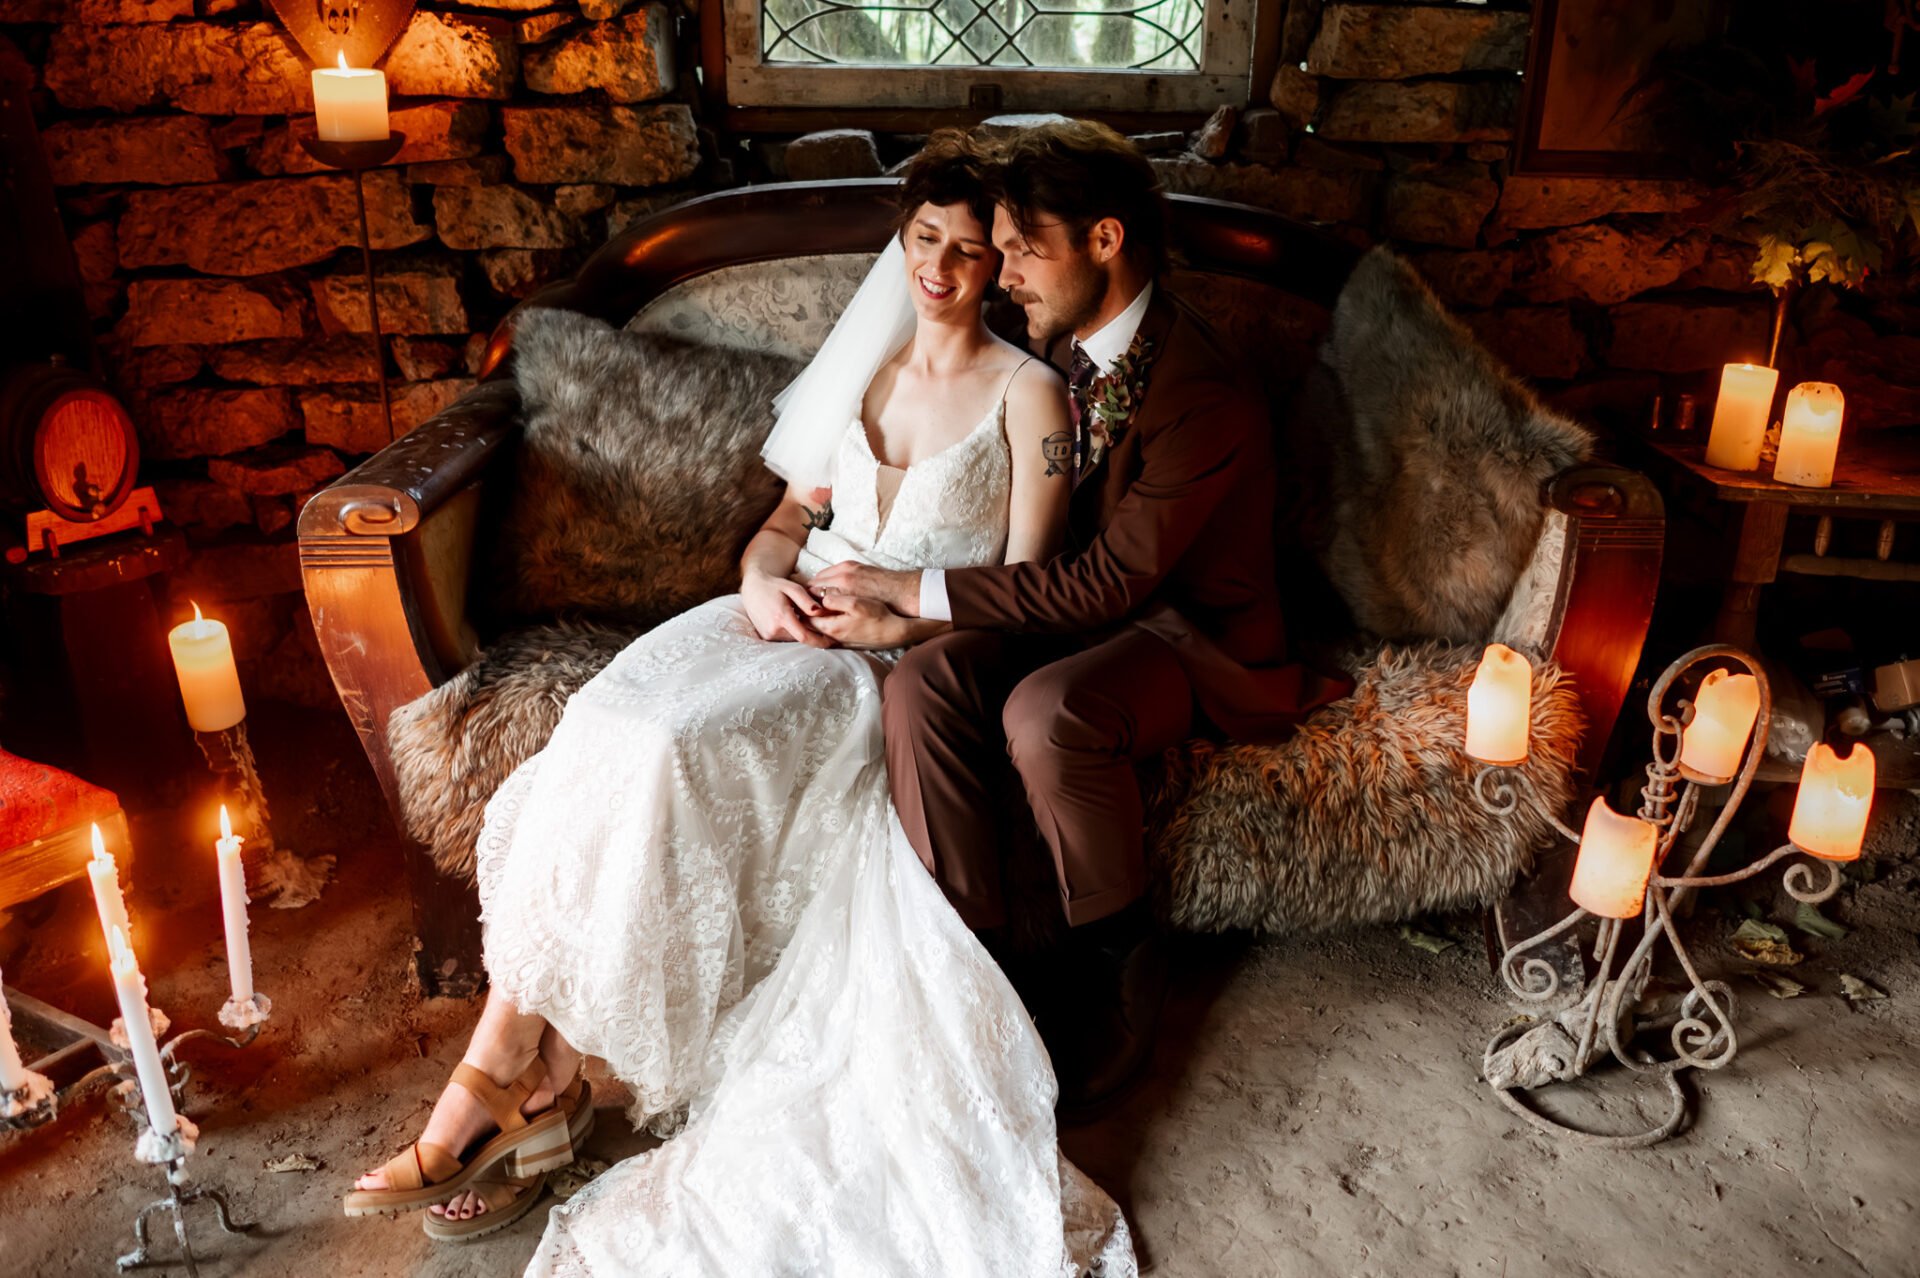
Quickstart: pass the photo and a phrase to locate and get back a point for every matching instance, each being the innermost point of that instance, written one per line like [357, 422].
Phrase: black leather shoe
[1113, 1041]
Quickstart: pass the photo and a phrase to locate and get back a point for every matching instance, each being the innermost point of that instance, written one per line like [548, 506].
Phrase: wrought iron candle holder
[1612, 1017]
[37, 1102]
[357, 158]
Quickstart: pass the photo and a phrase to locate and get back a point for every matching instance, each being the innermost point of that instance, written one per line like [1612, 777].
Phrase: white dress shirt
[1103, 347]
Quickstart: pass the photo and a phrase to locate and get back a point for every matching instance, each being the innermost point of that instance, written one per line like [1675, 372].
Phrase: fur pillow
[1437, 473]
[638, 480]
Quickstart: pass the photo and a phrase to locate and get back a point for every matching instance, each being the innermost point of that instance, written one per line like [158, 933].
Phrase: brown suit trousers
[1074, 720]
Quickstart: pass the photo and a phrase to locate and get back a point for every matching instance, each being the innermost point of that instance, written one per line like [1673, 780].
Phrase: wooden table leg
[1756, 562]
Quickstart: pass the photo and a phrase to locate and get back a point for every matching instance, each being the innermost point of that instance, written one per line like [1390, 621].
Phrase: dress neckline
[860, 429]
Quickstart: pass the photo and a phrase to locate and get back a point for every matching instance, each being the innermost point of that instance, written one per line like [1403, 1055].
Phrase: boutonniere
[1114, 396]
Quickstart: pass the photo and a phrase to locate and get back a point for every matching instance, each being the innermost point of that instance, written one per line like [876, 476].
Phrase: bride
[700, 879]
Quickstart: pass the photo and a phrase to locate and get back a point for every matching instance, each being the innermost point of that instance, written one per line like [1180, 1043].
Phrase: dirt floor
[1315, 1107]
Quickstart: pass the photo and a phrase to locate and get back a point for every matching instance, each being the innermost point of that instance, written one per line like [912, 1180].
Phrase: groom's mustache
[1022, 297]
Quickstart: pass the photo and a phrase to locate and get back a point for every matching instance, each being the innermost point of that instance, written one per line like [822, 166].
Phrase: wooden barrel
[66, 444]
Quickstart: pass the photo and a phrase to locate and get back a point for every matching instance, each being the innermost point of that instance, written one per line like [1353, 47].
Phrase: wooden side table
[1876, 477]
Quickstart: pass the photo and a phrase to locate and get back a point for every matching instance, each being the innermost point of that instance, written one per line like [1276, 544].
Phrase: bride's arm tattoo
[818, 519]
[1057, 450]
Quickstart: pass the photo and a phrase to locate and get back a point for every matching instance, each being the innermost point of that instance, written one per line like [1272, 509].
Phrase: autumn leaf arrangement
[1817, 170]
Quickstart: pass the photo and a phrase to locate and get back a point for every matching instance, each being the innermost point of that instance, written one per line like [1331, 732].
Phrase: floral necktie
[1079, 378]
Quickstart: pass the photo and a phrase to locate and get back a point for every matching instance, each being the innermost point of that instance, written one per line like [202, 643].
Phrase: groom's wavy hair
[950, 169]
[1078, 172]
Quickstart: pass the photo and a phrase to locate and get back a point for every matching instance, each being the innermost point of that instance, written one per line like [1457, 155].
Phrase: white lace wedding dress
[701, 881]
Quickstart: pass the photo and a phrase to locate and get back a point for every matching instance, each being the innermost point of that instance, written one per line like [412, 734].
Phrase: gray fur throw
[453, 747]
[639, 478]
[1436, 479]
[1365, 815]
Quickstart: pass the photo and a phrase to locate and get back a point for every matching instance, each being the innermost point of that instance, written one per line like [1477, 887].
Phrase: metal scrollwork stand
[1608, 1017]
[38, 1102]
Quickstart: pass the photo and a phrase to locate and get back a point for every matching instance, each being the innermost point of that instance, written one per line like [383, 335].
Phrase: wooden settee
[389, 551]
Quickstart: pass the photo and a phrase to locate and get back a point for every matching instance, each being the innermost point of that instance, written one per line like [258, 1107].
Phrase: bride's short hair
[950, 169]
[1079, 172]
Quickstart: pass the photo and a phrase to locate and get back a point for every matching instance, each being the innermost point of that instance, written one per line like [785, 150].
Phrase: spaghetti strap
[1015, 373]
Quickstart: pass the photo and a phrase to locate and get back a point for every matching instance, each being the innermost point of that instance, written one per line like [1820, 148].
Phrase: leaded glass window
[1137, 56]
[1134, 35]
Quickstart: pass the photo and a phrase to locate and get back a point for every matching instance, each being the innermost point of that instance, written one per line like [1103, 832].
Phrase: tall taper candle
[131, 989]
[233, 909]
[104, 872]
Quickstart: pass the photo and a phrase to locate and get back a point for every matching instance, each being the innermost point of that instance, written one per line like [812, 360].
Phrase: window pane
[1160, 35]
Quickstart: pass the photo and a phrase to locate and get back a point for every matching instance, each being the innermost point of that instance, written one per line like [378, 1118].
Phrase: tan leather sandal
[508, 1198]
[425, 1173]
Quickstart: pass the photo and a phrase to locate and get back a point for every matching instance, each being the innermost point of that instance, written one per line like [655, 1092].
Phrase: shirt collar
[1113, 338]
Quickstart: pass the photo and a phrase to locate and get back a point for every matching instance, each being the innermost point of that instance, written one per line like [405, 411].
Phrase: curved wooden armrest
[386, 551]
[389, 493]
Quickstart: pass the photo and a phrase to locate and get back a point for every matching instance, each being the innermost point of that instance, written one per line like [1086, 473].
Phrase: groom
[1159, 620]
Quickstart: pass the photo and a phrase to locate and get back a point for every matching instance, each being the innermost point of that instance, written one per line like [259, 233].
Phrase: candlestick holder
[357, 158]
[1613, 1014]
[288, 879]
[38, 1102]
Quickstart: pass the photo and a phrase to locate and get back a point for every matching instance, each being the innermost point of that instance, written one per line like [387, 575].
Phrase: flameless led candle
[13, 1075]
[209, 683]
[104, 871]
[131, 989]
[1810, 434]
[1616, 856]
[350, 103]
[1723, 713]
[1740, 416]
[1830, 812]
[233, 908]
[1497, 706]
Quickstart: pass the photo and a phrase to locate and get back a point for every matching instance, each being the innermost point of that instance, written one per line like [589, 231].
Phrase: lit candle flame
[226, 826]
[99, 845]
[342, 55]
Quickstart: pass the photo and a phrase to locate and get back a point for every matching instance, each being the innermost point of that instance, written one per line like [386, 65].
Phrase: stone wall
[222, 266]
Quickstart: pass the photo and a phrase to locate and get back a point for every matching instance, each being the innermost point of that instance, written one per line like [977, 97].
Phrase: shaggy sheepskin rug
[1365, 815]
[456, 745]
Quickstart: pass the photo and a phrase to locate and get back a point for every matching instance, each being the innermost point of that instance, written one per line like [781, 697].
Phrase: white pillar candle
[1723, 713]
[104, 872]
[209, 683]
[233, 908]
[1740, 416]
[1498, 704]
[13, 1075]
[1830, 811]
[1810, 435]
[350, 103]
[131, 990]
[1615, 860]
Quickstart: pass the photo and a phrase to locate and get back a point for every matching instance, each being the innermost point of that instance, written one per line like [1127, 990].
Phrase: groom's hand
[899, 591]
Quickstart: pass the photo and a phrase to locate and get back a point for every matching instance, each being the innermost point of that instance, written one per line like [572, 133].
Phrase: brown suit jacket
[1173, 531]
